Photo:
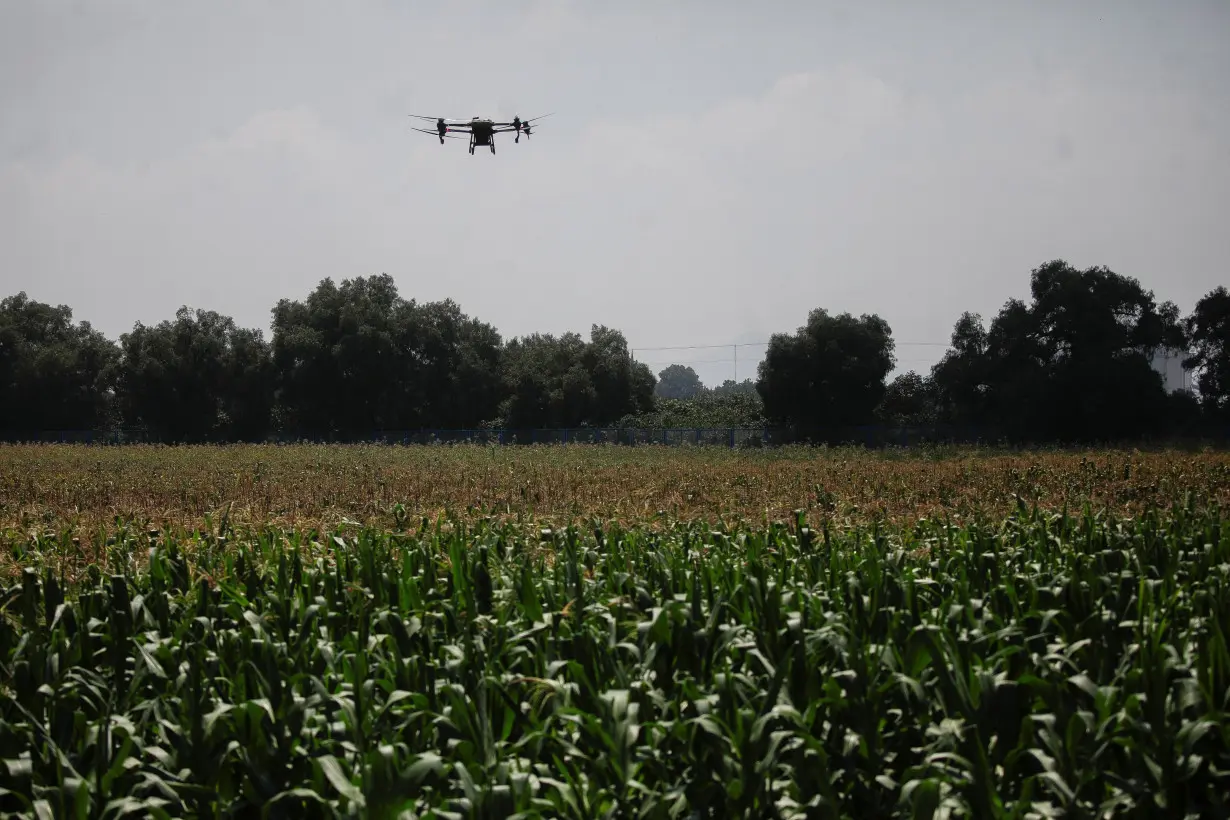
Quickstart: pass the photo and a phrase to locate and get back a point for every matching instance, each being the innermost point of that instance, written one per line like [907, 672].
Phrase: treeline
[357, 358]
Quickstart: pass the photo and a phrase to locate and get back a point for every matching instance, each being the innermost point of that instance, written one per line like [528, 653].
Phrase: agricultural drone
[482, 131]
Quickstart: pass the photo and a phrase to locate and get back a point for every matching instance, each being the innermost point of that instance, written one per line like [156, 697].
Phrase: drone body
[482, 131]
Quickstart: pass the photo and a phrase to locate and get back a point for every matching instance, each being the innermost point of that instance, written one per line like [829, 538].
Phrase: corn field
[1047, 666]
[83, 490]
[609, 632]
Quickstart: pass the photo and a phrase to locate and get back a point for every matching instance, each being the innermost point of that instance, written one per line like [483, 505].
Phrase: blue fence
[717, 436]
[712, 436]
[869, 435]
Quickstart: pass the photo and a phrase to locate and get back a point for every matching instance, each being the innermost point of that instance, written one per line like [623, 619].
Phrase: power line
[762, 344]
[735, 361]
[693, 361]
[705, 347]
[734, 348]
[728, 361]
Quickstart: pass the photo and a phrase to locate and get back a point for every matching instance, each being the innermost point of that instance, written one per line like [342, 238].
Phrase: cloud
[283, 200]
[201, 226]
[803, 120]
[550, 21]
[835, 186]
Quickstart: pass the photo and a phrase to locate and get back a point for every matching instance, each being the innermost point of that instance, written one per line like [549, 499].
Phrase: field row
[52, 487]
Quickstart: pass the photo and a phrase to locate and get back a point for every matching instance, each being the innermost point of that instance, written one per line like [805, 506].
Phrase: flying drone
[482, 131]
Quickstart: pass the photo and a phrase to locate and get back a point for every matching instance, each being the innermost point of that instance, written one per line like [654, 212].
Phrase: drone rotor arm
[523, 122]
[451, 123]
[437, 133]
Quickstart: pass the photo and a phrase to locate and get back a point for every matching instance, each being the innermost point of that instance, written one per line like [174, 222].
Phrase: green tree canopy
[731, 387]
[196, 378]
[358, 358]
[909, 400]
[706, 410]
[1074, 363]
[54, 375]
[564, 381]
[829, 374]
[1209, 330]
[678, 381]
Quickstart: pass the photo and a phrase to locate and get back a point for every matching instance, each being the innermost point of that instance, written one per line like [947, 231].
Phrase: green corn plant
[1043, 664]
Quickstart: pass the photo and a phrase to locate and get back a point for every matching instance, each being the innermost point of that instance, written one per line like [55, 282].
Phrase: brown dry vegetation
[82, 489]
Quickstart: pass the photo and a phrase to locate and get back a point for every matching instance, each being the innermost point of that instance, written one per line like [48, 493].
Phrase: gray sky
[712, 171]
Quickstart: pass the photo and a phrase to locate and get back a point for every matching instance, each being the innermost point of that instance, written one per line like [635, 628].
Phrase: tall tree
[567, 382]
[730, 388]
[1209, 331]
[54, 375]
[335, 355]
[197, 378]
[357, 358]
[247, 397]
[678, 381]
[457, 359]
[829, 374]
[624, 386]
[961, 377]
[1097, 331]
[909, 400]
[1073, 364]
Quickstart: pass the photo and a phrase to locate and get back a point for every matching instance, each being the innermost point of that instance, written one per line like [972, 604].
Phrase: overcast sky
[712, 170]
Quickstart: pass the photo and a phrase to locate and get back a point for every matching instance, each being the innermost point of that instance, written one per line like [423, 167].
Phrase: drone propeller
[527, 122]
